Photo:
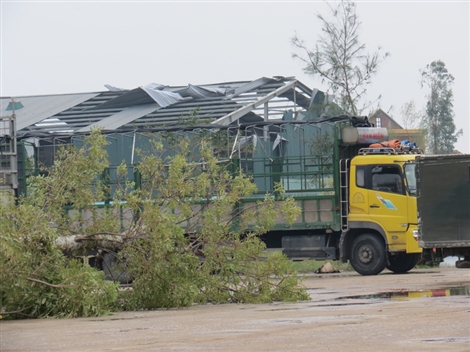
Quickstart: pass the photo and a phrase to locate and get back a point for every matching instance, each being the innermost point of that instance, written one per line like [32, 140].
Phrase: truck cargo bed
[443, 196]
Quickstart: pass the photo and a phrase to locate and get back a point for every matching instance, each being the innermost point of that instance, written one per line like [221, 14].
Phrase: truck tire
[368, 254]
[403, 262]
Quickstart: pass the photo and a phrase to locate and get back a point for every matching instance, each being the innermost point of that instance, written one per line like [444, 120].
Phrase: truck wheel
[402, 263]
[368, 254]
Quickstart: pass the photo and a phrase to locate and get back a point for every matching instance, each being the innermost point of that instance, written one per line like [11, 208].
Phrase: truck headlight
[416, 234]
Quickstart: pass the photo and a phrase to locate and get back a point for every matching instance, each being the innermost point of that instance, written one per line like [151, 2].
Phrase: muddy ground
[388, 316]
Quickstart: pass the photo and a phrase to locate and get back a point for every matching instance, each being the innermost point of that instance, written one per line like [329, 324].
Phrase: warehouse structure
[32, 127]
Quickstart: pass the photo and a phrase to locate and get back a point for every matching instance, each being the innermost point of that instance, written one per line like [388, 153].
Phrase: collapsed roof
[158, 106]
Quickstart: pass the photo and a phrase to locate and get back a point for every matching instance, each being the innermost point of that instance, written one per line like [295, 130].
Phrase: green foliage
[439, 119]
[340, 59]
[37, 279]
[184, 236]
[196, 247]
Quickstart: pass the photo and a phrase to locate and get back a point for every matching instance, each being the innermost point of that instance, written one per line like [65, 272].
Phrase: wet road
[425, 310]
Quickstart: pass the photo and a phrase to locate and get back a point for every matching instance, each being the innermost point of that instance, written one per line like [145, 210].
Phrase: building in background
[395, 131]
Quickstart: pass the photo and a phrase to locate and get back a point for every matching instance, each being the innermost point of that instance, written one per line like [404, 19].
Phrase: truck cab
[382, 212]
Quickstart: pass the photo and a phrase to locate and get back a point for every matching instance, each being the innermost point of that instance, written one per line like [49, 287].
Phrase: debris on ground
[327, 268]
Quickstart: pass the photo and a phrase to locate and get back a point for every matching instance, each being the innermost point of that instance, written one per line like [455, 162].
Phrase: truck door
[387, 199]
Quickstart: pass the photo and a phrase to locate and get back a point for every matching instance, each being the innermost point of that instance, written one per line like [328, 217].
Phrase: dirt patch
[329, 322]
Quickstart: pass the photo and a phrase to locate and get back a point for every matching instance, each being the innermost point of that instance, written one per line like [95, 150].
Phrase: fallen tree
[182, 235]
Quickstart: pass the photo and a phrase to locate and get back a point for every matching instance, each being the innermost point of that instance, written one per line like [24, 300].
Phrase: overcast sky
[59, 47]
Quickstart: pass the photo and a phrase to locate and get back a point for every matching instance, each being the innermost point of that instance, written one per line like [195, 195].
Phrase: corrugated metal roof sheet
[38, 108]
[161, 97]
[198, 92]
[156, 105]
[125, 116]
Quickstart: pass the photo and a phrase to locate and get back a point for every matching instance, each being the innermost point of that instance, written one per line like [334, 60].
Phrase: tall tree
[340, 59]
[439, 119]
[410, 116]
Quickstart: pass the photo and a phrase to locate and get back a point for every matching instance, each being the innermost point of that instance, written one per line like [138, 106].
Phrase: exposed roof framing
[157, 106]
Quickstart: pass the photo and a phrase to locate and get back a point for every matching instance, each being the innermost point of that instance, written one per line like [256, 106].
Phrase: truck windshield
[410, 178]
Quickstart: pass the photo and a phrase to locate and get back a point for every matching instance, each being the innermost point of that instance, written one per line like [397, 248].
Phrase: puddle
[405, 295]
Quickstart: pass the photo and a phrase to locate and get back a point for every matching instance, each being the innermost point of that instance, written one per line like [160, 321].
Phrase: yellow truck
[380, 215]
[358, 203]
